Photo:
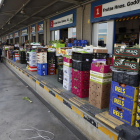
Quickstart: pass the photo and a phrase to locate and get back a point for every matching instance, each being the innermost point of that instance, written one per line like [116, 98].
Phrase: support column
[20, 36]
[36, 33]
[45, 33]
[29, 34]
[48, 31]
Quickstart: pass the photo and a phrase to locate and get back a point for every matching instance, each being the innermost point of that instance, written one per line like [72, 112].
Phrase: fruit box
[122, 114]
[124, 102]
[67, 70]
[99, 80]
[125, 65]
[127, 52]
[128, 91]
[100, 75]
[67, 64]
[101, 68]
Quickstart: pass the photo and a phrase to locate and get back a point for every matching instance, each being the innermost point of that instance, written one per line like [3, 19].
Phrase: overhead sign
[33, 29]
[11, 36]
[7, 37]
[116, 7]
[40, 27]
[62, 21]
[24, 32]
[16, 34]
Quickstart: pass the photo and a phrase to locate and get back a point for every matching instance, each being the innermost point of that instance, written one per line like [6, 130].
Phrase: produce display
[125, 85]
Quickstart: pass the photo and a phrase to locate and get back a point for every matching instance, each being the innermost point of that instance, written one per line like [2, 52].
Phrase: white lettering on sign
[16, 34]
[40, 27]
[62, 21]
[33, 29]
[24, 32]
[11, 35]
[116, 7]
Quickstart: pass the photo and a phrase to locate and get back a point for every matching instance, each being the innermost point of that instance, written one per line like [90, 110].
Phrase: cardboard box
[32, 57]
[101, 68]
[128, 91]
[124, 102]
[122, 114]
[42, 57]
[41, 61]
[100, 75]
[42, 49]
[65, 51]
[67, 60]
[101, 50]
[17, 61]
[67, 70]
[67, 78]
[66, 85]
[67, 64]
[42, 54]
[31, 54]
[99, 80]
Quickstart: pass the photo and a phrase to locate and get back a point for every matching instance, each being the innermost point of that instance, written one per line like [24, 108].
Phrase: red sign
[98, 11]
[52, 24]
[31, 30]
[21, 32]
[37, 27]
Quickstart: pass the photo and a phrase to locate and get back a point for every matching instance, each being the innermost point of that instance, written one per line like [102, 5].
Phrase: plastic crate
[69, 44]
[81, 84]
[81, 75]
[126, 78]
[82, 93]
[82, 57]
[14, 59]
[60, 75]
[42, 66]
[100, 56]
[81, 66]
[84, 41]
[42, 72]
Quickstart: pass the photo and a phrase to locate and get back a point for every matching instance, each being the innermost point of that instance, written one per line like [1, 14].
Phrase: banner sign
[7, 37]
[116, 7]
[62, 21]
[11, 36]
[16, 34]
[24, 32]
[33, 29]
[40, 27]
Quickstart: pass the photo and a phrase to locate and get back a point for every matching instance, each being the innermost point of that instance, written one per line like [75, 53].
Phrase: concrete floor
[16, 112]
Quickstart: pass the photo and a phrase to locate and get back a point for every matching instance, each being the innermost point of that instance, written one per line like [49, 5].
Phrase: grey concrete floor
[16, 112]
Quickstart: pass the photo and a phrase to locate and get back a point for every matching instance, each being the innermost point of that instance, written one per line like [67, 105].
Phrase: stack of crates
[59, 62]
[60, 74]
[27, 60]
[138, 116]
[22, 57]
[100, 85]
[125, 85]
[51, 63]
[32, 61]
[81, 43]
[81, 74]
[42, 63]
[17, 58]
[67, 73]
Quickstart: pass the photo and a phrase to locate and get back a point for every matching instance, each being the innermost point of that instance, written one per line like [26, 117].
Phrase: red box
[81, 84]
[67, 60]
[101, 68]
[81, 75]
[98, 11]
[51, 71]
[82, 93]
[32, 69]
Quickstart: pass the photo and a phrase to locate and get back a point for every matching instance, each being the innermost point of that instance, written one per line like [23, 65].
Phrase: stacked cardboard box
[42, 63]
[51, 63]
[99, 90]
[81, 74]
[17, 58]
[67, 73]
[32, 61]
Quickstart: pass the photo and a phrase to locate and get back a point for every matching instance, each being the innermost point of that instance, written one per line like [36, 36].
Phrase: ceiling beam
[71, 1]
[34, 13]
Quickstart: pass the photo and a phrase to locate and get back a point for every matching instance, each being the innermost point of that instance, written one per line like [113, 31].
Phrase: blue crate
[74, 44]
[75, 41]
[128, 91]
[79, 41]
[124, 102]
[14, 59]
[42, 66]
[42, 72]
[69, 44]
[79, 44]
[122, 115]
[83, 44]
[84, 41]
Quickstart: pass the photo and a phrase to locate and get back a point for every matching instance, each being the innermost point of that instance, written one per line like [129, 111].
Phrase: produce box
[67, 60]
[100, 80]
[67, 64]
[126, 91]
[42, 49]
[66, 85]
[67, 78]
[126, 65]
[67, 70]
[101, 68]
[100, 75]
[124, 102]
[65, 51]
[122, 114]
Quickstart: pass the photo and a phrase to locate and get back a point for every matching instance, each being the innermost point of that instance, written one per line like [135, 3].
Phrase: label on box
[66, 86]
[100, 75]
[67, 64]
[99, 80]
[67, 70]
[67, 78]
